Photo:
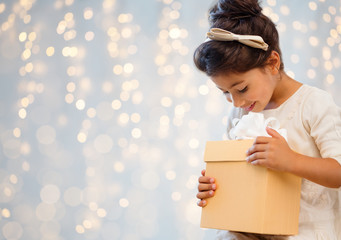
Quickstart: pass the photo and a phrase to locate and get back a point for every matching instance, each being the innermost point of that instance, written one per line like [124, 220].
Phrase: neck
[285, 88]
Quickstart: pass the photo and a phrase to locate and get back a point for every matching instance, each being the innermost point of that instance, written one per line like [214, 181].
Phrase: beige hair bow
[249, 40]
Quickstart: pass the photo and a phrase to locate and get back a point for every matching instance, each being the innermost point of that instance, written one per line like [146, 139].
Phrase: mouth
[250, 108]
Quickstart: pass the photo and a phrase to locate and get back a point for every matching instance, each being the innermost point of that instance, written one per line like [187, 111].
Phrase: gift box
[249, 198]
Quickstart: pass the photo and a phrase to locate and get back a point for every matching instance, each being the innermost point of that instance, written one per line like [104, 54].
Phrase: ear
[274, 62]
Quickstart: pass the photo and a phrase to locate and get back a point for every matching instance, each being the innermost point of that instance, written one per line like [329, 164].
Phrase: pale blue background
[135, 174]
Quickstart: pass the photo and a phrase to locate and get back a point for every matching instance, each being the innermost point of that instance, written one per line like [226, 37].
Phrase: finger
[205, 179]
[206, 194]
[203, 172]
[202, 203]
[259, 147]
[206, 187]
[256, 156]
[273, 133]
[262, 140]
[259, 162]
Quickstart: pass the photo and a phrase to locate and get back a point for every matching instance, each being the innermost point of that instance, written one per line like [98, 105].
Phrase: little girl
[243, 58]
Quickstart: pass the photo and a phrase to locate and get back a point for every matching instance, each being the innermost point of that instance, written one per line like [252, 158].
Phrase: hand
[206, 188]
[271, 152]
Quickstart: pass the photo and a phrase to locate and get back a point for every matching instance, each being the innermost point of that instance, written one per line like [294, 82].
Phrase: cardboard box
[249, 198]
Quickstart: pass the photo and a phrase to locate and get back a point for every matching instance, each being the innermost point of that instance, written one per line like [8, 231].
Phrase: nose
[237, 101]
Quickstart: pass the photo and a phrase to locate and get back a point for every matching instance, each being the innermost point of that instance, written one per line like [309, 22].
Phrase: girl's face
[252, 90]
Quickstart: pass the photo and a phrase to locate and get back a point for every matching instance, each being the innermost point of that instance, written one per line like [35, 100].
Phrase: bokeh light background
[104, 118]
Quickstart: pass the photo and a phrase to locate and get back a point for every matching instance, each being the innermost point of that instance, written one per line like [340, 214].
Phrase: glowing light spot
[295, 58]
[89, 36]
[80, 104]
[123, 119]
[314, 41]
[285, 10]
[167, 1]
[22, 113]
[119, 167]
[45, 211]
[25, 166]
[125, 18]
[160, 60]
[313, 6]
[116, 104]
[204, 90]
[135, 117]
[16, 132]
[126, 32]
[87, 224]
[88, 13]
[91, 112]
[69, 35]
[170, 175]
[80, 229]
[164, 120]
[124, 96]
[311, 73]
[71, 87]
[69, 98]
[174, 14]
[136, 133]
[328, 65]
[22, 36]
[326, 52]
[26, 54]
[330, 79]
[128, 68]
[101, 212]
[12, 230]
[13, 179]
[124, 202]
[46, 134]
[118, 69]
[166, 102]
[193, 143]
[50, 51]
[27, 19]
[6, 213]
[29, 67]
[50, 194]
[327, 18]
[32, 36]
[81, 137]
[176, 196]
[68, 16]
[2, 7]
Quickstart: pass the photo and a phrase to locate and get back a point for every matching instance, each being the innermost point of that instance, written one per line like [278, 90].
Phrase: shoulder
[313, 98]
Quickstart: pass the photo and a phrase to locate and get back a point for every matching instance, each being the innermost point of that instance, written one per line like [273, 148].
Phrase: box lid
[229, 150]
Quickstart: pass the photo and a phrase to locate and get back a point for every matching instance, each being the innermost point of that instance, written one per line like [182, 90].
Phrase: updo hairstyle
[240, 17]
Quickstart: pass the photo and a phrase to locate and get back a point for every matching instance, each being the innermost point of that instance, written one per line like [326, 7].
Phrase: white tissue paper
[253, 125]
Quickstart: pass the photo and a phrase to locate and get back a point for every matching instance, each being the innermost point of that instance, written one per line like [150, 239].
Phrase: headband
[249, 40]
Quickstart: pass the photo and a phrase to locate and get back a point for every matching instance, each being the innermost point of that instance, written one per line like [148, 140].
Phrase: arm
[274, 153]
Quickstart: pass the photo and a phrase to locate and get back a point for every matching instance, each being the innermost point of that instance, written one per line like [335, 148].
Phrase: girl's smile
[252, 90]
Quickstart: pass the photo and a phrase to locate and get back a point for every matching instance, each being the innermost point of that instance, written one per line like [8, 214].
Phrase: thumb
[273, 133]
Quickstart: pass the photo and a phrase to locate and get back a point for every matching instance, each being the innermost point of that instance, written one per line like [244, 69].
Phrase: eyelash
[243, 90]
[240, 91]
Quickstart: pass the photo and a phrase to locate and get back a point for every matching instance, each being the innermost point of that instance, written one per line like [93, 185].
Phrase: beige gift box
[249, 198]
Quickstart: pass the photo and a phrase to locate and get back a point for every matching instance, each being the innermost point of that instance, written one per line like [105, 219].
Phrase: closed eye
[243, 90]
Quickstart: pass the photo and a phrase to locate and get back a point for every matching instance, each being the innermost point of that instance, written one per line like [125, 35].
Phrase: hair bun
[235, 9]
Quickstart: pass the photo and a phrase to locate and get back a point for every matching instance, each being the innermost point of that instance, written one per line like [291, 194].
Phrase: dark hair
[240, 17]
